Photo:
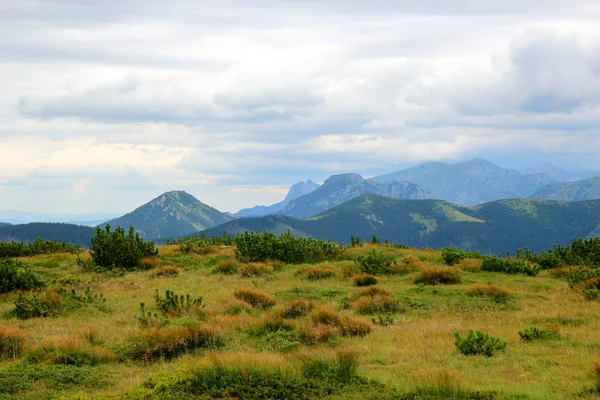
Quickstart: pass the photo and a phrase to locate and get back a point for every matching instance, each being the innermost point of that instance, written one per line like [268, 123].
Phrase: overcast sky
[106, 104]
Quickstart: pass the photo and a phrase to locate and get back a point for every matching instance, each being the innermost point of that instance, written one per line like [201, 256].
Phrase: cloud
[112, 102]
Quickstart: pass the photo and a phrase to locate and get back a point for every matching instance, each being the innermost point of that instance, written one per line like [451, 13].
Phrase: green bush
[116, 250]
[478, 343]
[375, 262]
[38, 246]
[173, 304]
[56, 303]
[14, 276]
[531, 334]
[509, 266]
[258, 247]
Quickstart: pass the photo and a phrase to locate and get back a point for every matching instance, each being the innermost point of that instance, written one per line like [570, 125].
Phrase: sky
[106, 104]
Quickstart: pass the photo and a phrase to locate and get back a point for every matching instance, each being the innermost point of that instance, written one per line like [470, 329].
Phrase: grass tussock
[470, 264]
[363, 280]
[70, 352]
[254, 270]
[297, 308]
[271, 324]
[378, 304]
[168, 343]
[257, 299]
[493, 292]
[596, 372]
[167, 271]
[149, 262]
[438, 276]
[373, 291]
[562, 272]
[235, 307]
[347, 326]
[315, 273]
[407, 265]
[11, 343]
[226, 267]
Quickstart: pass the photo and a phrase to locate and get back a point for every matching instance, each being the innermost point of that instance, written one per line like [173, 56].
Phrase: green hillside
[491, 228]
[4, 224]
[75, 234]
[587, 189]
[172, 214]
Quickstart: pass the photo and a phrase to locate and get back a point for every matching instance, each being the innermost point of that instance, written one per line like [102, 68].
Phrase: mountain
[171, 214]
[562, 175]
[297, 190]
[471, 182]
[4, 224]
[74, 234]
[90, 219]
[587, 189]
[493, 227]
[341, 188]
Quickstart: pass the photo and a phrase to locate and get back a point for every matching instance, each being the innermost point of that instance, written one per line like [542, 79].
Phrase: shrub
[11, 344]
[167, 271]
[14, 276]
[252, 270]
[375, 262]
[56, 302]
[437, 276]
[69, 353]
[173, 304]
[115, 250]
[38, 246]
[168, 343]
[259, 247]
[493, 292]
[317, 273]
[407, 265]
[531, 334]
[453, 256]
[364, 280]
[257, 299]
[297, 308]
[509, 266]
[378, 304]
[227, 267]
[478, 343]
[149, 319]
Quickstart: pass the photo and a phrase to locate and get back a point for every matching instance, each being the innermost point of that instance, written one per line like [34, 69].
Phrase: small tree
[112, 250]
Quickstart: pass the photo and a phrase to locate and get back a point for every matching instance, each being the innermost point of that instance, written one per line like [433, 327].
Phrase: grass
[272, 329]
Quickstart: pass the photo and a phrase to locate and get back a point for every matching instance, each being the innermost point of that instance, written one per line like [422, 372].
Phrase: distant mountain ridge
[493, 227]
[74, 234]
[586, 189]
[471, 182]
[171, 214]
[562, 175]
[341, 188]
[297, 190]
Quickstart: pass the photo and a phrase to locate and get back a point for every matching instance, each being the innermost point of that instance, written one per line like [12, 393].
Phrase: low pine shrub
[364, 280]
[149, 319]
[316, 273]
[11, 344]
[375, 263]
[493, 292]
[297, 308]
[378, 304]
[255, 298]
[168, 343]
[437, 276]
[477, 342]
[253, 270]
[509, 266]
[453, 256]
[15, 276]
[226, 267]
[533, 333]
[174, 305]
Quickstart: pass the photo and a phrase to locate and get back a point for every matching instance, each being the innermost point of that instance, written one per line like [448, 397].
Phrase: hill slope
[469, 183]
[587, 189]
[297, 190]
[4, 224]
[341, 188]
[491, 228]
[74, 234]
[172, 214]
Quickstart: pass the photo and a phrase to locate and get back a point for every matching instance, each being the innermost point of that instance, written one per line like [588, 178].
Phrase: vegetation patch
[253, 270]
[297, 308]
[477, 342]
[509, 266]
[378, 304]
[255, 298]
[56, 302]
[437, 276]
[226, 267]
[315, 273]
[168, 271]
[493, 292]
[11, 344]
[70, 352]
[533, 334]
[375, 263]
[364, 280]
[15, 276]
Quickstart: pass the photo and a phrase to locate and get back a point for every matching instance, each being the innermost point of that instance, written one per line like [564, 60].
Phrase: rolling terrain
[586, 189]
[74, 234]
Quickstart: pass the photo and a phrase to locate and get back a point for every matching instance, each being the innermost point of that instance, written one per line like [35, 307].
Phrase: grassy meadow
[271, 330]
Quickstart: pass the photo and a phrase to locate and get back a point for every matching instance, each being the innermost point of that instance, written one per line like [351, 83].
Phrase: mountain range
[493, 227]
[586, 189]
[75, 234]
[297, 190]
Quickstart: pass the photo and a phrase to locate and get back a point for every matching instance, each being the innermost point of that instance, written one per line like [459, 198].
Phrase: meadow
[214, 326]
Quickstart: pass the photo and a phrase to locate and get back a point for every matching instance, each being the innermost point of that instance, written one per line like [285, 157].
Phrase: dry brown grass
[150, 262]
[11, 343]
[561, 272]
[167, 271]
[257, 299]
[228, 266]
[315, 273]
[365, 280]
[372, 291]
[297, 308]
[494, 292]
[347, 326]
[407, 265]
[318, 333]
[596, 372]
[70, 350]
[437, 276]
[253, 270]
[377, 304]
[470, 264]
